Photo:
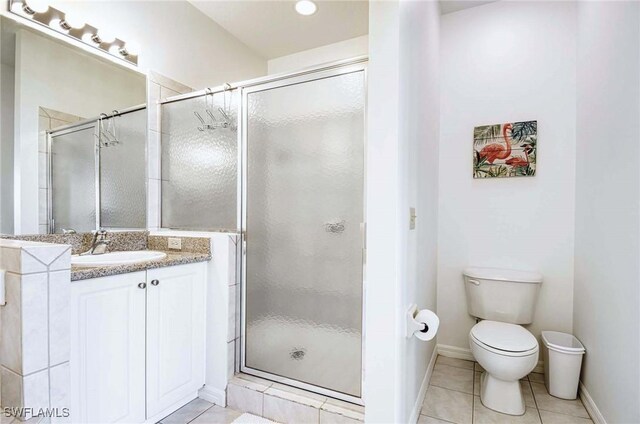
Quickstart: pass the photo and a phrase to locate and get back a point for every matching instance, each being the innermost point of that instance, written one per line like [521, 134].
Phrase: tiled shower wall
[158, 87]
[48, 119]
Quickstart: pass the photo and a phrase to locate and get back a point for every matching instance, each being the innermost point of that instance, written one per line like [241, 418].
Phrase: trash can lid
[562, 342]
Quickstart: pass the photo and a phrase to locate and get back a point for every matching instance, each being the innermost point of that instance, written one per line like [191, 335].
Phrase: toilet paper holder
[412, 324]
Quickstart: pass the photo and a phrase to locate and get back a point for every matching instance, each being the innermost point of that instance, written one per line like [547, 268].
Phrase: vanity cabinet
[137, 344]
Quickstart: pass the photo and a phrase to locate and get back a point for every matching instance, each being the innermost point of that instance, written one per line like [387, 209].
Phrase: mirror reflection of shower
[224, 111]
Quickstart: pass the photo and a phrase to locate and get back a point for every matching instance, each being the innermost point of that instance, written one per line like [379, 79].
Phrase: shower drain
[297, 354]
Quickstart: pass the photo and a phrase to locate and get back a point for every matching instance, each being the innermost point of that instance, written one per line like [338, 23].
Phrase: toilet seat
[503, 338]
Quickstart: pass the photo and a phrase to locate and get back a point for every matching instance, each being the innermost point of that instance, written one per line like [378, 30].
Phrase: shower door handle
[334, 227]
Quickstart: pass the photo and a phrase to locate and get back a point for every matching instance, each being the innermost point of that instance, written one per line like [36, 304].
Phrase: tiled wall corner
[233, 329]
[34, 336]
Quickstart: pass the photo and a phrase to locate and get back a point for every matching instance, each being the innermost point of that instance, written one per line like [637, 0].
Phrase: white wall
[6, 148]
[607, 290]
[403, 169]
[56, 76]
[505, 62]
[175, 39]
[382, 282]
[346, 49]
[419, 136]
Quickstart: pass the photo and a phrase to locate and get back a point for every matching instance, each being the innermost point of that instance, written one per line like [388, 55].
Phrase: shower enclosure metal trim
[261, 84]
[79, 126]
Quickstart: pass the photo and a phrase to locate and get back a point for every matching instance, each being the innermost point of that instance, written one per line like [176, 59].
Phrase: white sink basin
[117, 258]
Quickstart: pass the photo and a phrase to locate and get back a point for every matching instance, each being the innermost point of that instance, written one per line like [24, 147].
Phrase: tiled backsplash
[189, 244]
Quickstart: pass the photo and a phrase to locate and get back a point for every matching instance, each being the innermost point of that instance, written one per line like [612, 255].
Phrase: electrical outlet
[175, 243]
[412, 218]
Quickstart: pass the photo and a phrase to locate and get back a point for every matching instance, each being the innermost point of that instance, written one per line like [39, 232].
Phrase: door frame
[262, 84]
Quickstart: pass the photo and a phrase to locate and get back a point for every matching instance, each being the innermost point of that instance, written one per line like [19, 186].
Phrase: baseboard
[462, 353]
[590, 405]
[415, 414]
[213, 395]
[455, 352]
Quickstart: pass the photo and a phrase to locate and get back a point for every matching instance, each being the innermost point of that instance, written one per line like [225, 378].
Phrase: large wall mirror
[72, 137]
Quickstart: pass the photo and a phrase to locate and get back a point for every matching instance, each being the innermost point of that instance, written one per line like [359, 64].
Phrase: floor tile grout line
[436, 418]
[196, 417]
[554, 412]
[535, 402]
[473, 394]
[453, 390]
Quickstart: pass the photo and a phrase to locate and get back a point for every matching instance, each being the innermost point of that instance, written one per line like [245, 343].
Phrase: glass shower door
[303, 211]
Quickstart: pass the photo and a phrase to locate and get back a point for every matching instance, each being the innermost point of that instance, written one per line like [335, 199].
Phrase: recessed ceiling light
[306, 7]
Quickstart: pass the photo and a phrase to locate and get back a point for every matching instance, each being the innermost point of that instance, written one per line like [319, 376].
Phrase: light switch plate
[412, 218]
[175, 243]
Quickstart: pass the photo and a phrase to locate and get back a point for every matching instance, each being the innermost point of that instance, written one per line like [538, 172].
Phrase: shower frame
[307, 75]
[79, 126]
[327, 70]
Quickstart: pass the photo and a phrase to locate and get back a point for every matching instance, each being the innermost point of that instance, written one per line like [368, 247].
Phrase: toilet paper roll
[431, 320]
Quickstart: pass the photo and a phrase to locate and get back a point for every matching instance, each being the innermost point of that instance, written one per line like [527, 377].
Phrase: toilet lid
[504, 336]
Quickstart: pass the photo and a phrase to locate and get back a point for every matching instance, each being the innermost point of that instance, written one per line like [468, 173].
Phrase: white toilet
[502, 299]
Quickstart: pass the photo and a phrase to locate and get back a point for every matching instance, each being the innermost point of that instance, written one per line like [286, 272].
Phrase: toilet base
[501, 396]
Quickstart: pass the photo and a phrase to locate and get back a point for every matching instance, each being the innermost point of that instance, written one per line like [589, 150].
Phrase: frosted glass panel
[305, 169]
[73, 180]
[123, 173]
[200, 163]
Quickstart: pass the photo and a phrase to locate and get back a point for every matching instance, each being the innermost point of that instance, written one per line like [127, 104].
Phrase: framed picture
[505, 150]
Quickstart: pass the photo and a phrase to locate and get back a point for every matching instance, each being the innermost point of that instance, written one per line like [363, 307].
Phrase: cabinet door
[175, 336]
[108, 349]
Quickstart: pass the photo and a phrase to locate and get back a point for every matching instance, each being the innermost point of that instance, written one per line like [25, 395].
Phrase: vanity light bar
[57, 20]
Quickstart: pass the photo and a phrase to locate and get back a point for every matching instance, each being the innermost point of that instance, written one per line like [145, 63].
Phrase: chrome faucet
[99, 243]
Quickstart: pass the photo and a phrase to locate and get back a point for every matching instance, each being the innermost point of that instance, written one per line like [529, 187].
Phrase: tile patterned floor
[200, 411]
[453, 396]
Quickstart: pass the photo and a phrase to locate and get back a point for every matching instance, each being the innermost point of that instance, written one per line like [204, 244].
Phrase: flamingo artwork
[495, 151]
[505, 150]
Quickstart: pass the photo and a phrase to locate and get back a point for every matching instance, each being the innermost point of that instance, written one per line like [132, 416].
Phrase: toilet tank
[502, 294]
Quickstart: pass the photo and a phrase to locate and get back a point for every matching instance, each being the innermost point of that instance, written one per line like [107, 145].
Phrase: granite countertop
[173, 258]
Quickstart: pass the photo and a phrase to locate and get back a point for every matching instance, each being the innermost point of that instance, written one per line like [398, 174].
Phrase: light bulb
[74, 21]
[132, 48]
[87, 37]
[115, 49]
[16, 6]
[106, 37]
[59, 25]
[306, 7]
[38, 6]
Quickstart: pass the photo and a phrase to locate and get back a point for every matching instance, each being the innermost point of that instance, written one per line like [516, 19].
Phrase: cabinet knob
[142, 285]
[155, 282]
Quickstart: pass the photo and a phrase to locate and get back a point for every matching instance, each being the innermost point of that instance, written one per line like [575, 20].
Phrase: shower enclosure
[288, 174]
[303, 217]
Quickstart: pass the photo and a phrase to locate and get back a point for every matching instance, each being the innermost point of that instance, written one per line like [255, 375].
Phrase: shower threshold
[244, 390]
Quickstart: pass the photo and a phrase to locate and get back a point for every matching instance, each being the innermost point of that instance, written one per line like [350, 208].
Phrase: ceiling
[273, 28]
[450, 6]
